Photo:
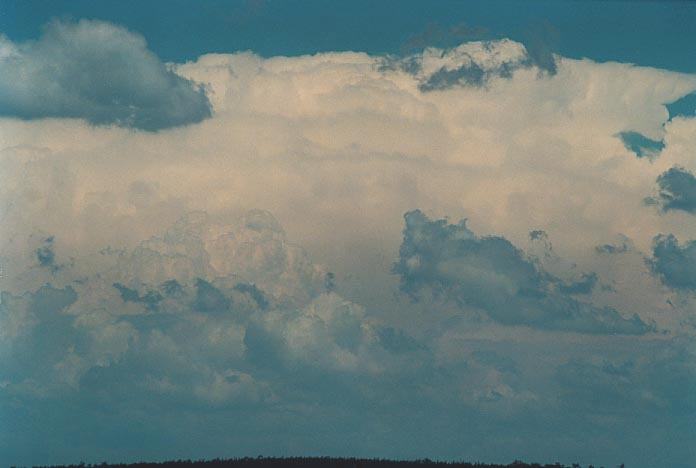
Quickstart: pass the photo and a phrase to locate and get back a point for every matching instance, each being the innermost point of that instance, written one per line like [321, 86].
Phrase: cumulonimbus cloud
[219, 313]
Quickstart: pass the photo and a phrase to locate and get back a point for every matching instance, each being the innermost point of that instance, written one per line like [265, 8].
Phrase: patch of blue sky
[683, 107]
[641, 145]
[658, 34]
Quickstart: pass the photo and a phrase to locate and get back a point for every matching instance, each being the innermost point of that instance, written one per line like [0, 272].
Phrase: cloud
[99, 72]
[472, 75]
[329, 332]
[674, 264]
[491, 274]
[659, 385]
[209, 326]
[151, 299]
[217, 340]
[206, 283]
[473, 64]
[677, 190]
[538, 43]
[45, 254]
[37, 339]
[583, 286]
[623, 246]
[199, 345]
[248, 254]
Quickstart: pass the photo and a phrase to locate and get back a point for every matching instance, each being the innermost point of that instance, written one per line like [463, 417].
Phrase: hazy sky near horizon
[312, 228]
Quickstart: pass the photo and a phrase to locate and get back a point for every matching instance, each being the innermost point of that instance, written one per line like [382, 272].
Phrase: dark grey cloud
[491, 274]
[171, 287]
[210, 299]
[99, 72]
[538, 234]
[254, 293]
[541, 56]
[676, 191]
[228, 355]
[45, 254]
[330, 282]
[540, 42]
[471, 75]
[150, 299]
[674, 264]
[470, 72]
[623, 246]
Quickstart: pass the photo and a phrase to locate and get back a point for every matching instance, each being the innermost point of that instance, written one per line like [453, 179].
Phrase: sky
[460, 230]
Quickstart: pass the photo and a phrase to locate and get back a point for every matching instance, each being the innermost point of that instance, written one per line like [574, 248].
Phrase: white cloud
[339, 148]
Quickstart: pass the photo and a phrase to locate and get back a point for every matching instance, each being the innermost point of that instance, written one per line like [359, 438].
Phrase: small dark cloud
[150, 299]
[468, 75]
[610, 248]
[540, 43]
[171, 287]
[46, 255]
[491, 274]
[48, 301]
[330, 282]
[210, 299]
[674, 264]
[538, 235]
[127, 294]
[642, 146]
[621, 247]
[255, 293]
[99, 72]
[677, 190]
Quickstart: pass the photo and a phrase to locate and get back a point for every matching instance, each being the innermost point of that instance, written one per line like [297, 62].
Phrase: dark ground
[314, 462]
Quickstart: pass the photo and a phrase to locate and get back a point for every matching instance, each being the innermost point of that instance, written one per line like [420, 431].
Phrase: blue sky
[455, 230]
[651, 33]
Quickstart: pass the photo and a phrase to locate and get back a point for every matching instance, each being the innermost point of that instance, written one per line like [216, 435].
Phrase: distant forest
[314, 462]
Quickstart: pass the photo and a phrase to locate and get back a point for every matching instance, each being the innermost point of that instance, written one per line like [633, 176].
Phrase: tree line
[314, 462]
